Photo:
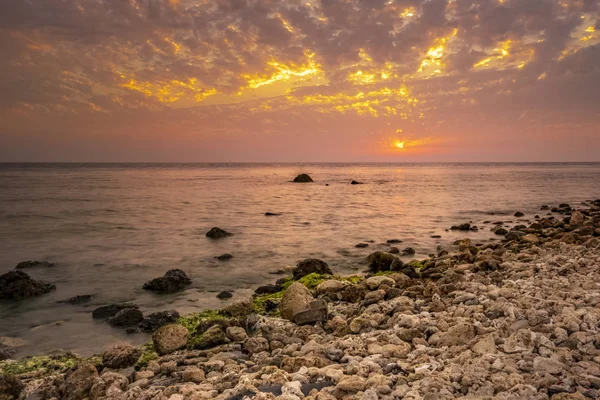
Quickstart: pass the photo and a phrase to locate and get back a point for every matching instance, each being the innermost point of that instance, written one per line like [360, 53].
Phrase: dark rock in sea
[519, 214]
[394, 241]
[474, 228]
[380, 261]
[356, 183]
[303, 178]
[18, 285]
[268, 289]
[544, 208]
[32, 263]
[500, 231]
[436, 236]
[80, 299]
[155, 320]
[10, 386]
[408, 251]
[270, 214]
[362, 245]
[174, 280]
[462, 227]
[309, 266]
[111, 310]
[217, 233]
[394, 250]
[224, 295]
[564, 205]
[127, 317]
[121, 355]
[224, 257]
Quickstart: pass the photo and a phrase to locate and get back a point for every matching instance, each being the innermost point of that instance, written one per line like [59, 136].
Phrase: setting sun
[400, 145]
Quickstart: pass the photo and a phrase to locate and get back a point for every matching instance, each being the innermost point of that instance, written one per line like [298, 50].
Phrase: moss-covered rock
[148, 354]
[45, 365]
[381, 261]
[213, 337]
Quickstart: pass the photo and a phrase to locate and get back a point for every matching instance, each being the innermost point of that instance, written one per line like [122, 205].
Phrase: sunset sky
[313, 80]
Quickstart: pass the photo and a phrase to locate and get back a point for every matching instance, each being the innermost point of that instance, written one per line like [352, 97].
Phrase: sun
[399, 144]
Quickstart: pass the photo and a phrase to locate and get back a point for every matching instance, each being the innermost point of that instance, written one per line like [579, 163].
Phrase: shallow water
[111, 227]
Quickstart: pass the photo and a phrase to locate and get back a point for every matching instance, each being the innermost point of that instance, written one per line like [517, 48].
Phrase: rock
[240, 309]
[500, 231]
[530, 238]
[111, 310]
[270, 214]
[78, 384]
[155, 320]
[217, 233]
[18, 285]
[224, 295]
[408, 251]
[193, 374]
[296, 298]
[393, 250]
[10, 387]
[519, 214]
[108, 382]
[224, 257]
[352, 384]
[577, 219]
[393, 241]
[127, 317]
[6, 352]
[380, 261]
[214, 336]
[356, 183]
[32, 263]
[375, 282]
[462, 227]
[170, 338]
[309, 266]
[174, 280]
[520, 341]
[487, 345]
[121, 355]
[458, 335]
[236, 334]
[331, 286]
[547, 365]
[362, 245]
[303, 178]
[317, 312]
[268, 289]
[80, 299]
[256, 345]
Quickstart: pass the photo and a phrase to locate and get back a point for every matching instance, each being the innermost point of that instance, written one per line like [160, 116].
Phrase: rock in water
[80, 299]
[127, 317]
[309, 266]
[33, 263]
[217, 233]
[356, 183]
[271, 214]
[155, 320]
[519, 214]
[224, 257]
[224, 295]
[380, 261]
[174, 280]
[111, 310]
[296, 298]
[121, 355]
[303, 178]
[18, 285]
[170, 338]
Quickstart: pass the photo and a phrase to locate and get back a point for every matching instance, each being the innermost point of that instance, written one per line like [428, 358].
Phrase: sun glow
[399, 144]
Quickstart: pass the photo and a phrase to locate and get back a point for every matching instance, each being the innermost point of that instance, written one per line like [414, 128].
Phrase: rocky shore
[517, 319]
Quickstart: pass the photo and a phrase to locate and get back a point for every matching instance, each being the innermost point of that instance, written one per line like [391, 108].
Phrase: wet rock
[18, 285]
[224, 257]
[296, 298]
[121, 355]
[362, 245]
[78, 384]
[393, 250]
[356, 183]
[462, 227]
[33, 263]
[111, 310]
[217, 233]
[174, 280]
[270, 214]
[498, 230]
[10, 387]
[79, 299]
[309, 266]
[519, 214]
[268, 289]
[381, 261]
[408, 251]
[224, 295]
[170, 338]
[6, 351]
[127, 317]
[303, 178]
[393, 241]
[155, 320]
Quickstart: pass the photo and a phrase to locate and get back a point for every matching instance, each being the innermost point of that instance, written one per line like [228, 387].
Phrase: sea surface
[111, 227]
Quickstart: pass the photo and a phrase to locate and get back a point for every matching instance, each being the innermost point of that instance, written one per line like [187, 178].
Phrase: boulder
[295, 299]
[408, 251]
[519, 214]
[217, 233]
[309, 266]
[462, 227]
[33, 263]
[174, 280]
[127, 317]
[170, 338]
[530, 238]
[106, 383]
[155, 320]
[78, 384]
[111, 310]
[10, 387]
[224, 295]
[121, 355]
[577, 219]
[214, 336]
[317, 312]
[268, 289]
[18, 285]
[381, 261]
[303, 178]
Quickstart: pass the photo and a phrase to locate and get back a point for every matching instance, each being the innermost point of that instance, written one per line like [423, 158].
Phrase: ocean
[108, 228]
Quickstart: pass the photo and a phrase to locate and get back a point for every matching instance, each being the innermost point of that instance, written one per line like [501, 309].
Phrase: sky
[299, 81]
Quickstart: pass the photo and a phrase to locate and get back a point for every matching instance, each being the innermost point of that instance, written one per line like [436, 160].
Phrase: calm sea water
[111, 227]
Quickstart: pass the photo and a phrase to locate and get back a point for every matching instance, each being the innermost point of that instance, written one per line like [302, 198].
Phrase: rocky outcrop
[174, 280]
[217, 233]
[311, 266]
[170, 338]
[18, 285]
[303, 178]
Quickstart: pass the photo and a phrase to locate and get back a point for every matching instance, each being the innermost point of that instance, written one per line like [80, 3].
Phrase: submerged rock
[79, 299]
[174, 280]
[224, 295]
[18, 285]
[127, 317]
[217, 233]
[111, 310]
[33, 263]
[309, 266]
[170, 338]
[356, 183]
[271, 214]
[462, 227]
[155, 320]
[224, 257]
[303, 178]
[519, 214]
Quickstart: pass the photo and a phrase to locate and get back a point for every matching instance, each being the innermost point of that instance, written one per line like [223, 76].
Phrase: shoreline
[516, 319]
